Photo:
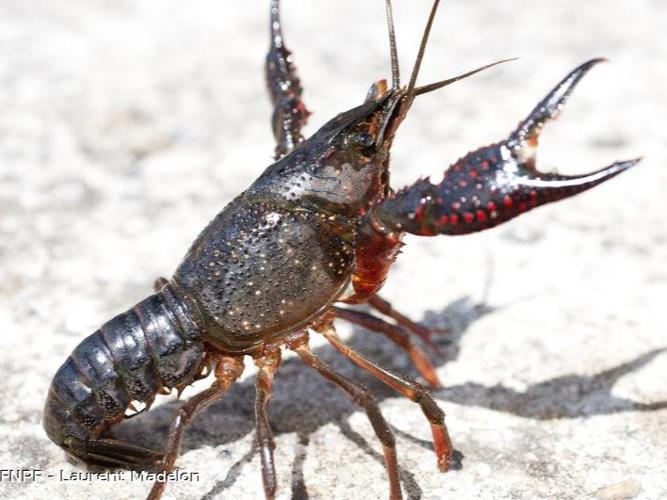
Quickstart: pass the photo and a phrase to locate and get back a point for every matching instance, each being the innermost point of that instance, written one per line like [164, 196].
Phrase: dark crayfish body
[283, 251]
[268, 264]
[154, 345]
[320, 226]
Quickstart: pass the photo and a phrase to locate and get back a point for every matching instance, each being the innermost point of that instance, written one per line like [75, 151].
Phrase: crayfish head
[368, 138]
[341, 168]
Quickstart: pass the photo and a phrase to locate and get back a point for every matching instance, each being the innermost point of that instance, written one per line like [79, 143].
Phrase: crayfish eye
[364, 139]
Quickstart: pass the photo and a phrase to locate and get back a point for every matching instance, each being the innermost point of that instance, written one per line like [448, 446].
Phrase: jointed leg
[363, 398]
[397, 335]
[381, 305]
[159, 283]
[410, 389]
[289, 112]
[267, 364]
[227, 370]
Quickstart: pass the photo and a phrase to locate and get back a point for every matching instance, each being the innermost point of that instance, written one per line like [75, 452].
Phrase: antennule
[395, 71]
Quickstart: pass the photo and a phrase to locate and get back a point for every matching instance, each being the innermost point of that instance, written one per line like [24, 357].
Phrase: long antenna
[422, 48]
[434, 86]
[395, 71]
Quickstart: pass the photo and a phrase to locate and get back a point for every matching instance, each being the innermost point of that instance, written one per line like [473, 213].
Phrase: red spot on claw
[419, 213]
[456, 205]
[481, 215]
[473, 173]
[442, 220]
[507, 201]
[468, 217]
[533, 198]
[491, 206]
[453, 219]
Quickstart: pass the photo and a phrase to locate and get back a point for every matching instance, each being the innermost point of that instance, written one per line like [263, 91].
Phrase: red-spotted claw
[493, 184]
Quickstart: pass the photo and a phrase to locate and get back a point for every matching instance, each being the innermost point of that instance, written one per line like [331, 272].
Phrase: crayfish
[320, 227]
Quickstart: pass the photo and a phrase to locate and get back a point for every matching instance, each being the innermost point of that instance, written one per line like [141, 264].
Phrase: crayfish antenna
[395, 70]
[409, 92]
[443, 83]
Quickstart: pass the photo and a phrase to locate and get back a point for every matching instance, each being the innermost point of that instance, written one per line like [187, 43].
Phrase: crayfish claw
[493, 184]
[549, 108]
[555, 186]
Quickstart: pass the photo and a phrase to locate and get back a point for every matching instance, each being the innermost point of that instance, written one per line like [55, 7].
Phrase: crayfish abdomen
[150, 348]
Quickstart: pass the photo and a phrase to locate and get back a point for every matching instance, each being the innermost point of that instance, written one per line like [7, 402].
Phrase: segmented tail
[153, 346]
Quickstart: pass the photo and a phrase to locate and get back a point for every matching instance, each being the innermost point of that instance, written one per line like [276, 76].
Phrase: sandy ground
[126, 125]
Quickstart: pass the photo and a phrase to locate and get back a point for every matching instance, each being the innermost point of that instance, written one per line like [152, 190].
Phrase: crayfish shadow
[568, 396]
[303, 401]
